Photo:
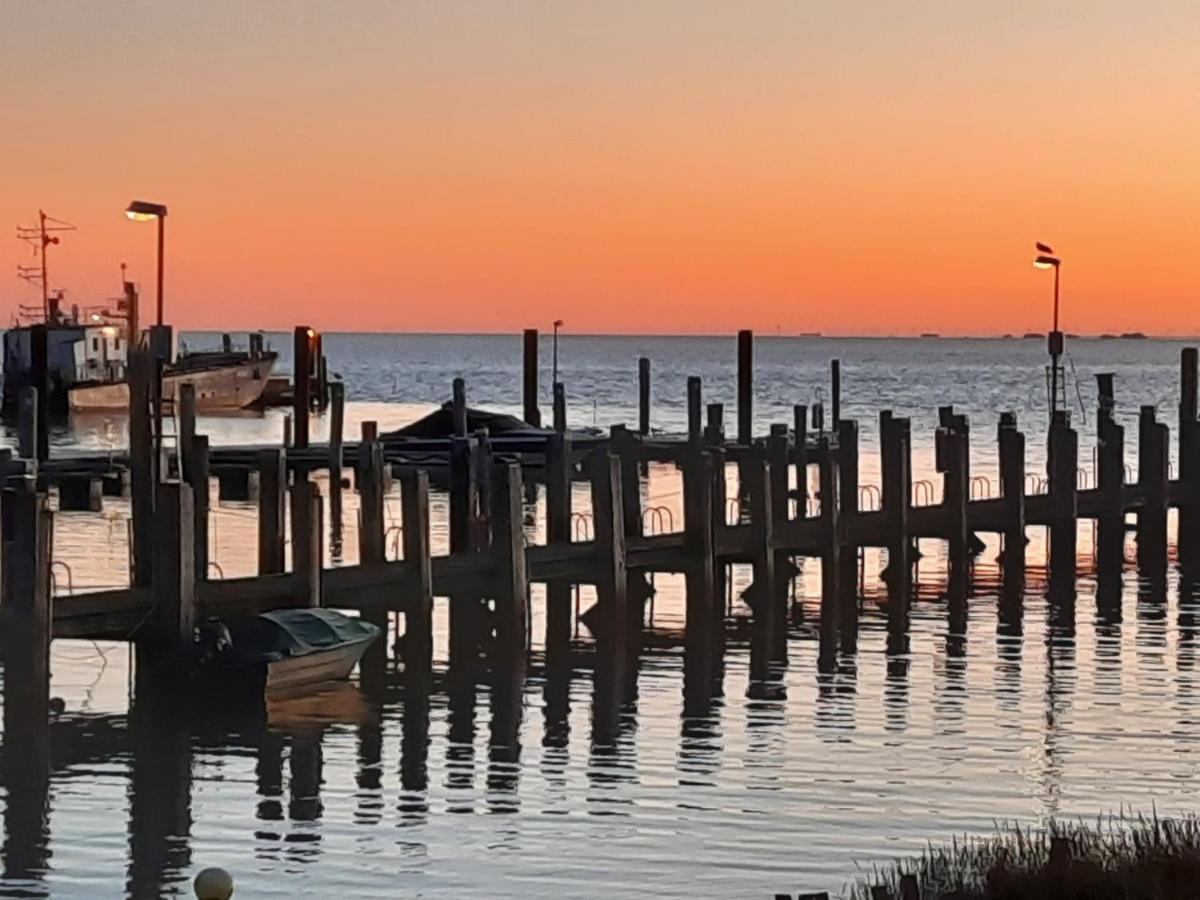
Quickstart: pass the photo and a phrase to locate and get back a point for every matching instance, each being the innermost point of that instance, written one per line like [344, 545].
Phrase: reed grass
[1116, 857]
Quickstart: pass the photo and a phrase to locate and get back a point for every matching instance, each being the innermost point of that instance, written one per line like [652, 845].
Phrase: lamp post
[554, 377]
[143, 211]
[1047, 260]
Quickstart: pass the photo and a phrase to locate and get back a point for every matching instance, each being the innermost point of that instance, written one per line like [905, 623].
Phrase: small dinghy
[281, 652]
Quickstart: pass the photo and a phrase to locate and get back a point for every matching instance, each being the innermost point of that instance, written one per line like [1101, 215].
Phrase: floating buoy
[213, 884]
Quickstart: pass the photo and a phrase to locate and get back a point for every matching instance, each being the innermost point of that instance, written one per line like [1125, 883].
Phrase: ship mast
[39, 237]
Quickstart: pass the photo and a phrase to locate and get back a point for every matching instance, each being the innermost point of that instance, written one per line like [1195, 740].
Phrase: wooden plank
[272, 497]
[418, 619]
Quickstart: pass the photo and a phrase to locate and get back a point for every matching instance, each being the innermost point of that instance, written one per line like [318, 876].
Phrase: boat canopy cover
[440, 423]
[294, 632]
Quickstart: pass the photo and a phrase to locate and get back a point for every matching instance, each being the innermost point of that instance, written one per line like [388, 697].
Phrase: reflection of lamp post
[142, 211]
[1046, 260]
[554, 378]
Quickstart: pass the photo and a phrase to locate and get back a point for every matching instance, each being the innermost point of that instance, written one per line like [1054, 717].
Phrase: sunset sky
[678, 167]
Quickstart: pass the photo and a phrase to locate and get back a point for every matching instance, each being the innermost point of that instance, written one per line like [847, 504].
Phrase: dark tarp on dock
[440, 423]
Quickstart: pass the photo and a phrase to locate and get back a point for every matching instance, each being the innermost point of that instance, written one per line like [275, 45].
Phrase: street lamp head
[144, 211]
[1046, 262]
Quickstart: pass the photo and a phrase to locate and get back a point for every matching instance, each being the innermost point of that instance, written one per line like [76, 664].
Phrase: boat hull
[228, 387]
[285, 676]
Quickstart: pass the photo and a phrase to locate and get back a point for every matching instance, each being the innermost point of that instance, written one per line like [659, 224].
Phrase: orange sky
[642, 167]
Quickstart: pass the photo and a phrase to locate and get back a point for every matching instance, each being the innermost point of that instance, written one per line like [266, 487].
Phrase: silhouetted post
[626, 447]
[761, 594]
[779, 469]
[458, 407]
[1110, 479]
[372, 552]
[418, 619]
[1011, 449]
[694, 410]
[835, 393]
[1153, 486]
[39, 375]
[143, 469]
[558, 532]
[272, 500]
[560, 407]
[511, 591]
[28, 426]
[195, 475]
[608, 518]
[28, 606]
[1063, 447]
[302, 338]
[714, 428]
[831, 567]
[337, 420]
[800, 457]
[719, 497]
[530, 381]
[643, 396]
[174, 578]
[701, 600]
[1188, 533]
[951, 446]
[307, 540]
[745, 387]
[847, 458]
[895, 500]
[464, 511]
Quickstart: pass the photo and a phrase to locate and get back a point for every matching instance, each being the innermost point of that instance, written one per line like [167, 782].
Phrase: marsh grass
[1131, 858]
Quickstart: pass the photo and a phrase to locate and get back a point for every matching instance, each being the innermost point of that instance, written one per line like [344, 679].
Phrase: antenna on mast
[39, 237]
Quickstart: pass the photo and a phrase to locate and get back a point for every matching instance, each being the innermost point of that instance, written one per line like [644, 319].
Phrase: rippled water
[541, 784]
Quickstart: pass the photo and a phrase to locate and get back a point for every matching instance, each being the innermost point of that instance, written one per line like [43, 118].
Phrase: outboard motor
[212, 640]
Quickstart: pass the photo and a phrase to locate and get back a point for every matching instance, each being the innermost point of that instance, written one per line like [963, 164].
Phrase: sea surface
[526, 787]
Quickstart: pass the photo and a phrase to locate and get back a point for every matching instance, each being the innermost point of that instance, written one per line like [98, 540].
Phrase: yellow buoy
[213, 884]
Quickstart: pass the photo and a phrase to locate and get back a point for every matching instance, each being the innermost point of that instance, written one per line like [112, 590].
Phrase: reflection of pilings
[305, 767]
[504, 745]
[414, 753]
[369, 777]
[160, 783]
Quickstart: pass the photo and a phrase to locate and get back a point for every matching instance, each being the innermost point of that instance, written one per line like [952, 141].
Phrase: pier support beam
[643, 396]
[831, 565]
[372, 552]
[745, 387]
[1188, 535]
[1153, 475]
[847, 433]
[511, 584]
[1063, 449]
[529, 383]
[302, 401]
[418, 620]
[558, 533]
[307, 541]
[1011, 451]
[761, 593]
[272, 499]
[703, 604]
[895, 439]
[1110, 480]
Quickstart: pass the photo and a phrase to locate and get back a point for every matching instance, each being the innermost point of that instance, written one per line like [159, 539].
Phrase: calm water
[534, 788]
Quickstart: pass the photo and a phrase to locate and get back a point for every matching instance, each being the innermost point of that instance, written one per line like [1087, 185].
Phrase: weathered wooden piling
[644, 396]
[337, 419]
[831, 546]
[372, 551]
[1153, 486]
[761, 595]
[307, 541]
[779, 469]
[464, 517]
[169, 631]
[80, 493]
[302, 365]
[952, 451]
[745, 387]
[529, 381]
[560, 406]
[1011, 451]
[1062, 468]
[272, 500]
[458, 407]
[1110, 482]
[835, 393]
[39, 380]
[28, 425]
[418, 620]
[714, 427]
[558, 534]
[847, 460]
[702, 602]
[800, 457]
[510, 585]
[608, 521]
[1187, 537]
[694, 410]
[143, 463]
[895, 501]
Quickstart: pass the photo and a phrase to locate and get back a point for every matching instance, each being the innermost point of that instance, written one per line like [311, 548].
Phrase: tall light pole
[1047, 260]
[143, 211]
[554, 377]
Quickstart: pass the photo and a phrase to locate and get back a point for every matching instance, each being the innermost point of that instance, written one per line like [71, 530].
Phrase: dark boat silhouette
[280, 652]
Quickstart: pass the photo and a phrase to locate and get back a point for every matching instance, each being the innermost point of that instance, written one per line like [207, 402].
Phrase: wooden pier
[492, 562]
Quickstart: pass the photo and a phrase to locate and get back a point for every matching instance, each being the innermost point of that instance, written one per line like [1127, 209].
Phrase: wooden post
[831, 568]
[28, 426]
[1063, 446]
[372, 552]
[560, 407]
[643, 396]
[626, 447]
[1110, 525]
[464, 515]
[847, 432]
[458, 407]
[694, 407]
[186, 423]
[174, 575]
[702, 604]
[558, 533]
[1011, 449]
[337, 419]
[745, 387]
[835, 393]
[952, 463]
[39, 350]
[418, 620]
[1153, 486]
[195, 475]
[511, 590]
[895, 439]
[307, 543]
[800, 457]
[714, 429]
[302, 338]
[530, 381]
[143, 469]
[272, 488]
[761, 595]
[1187, 537]
[608, 518]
